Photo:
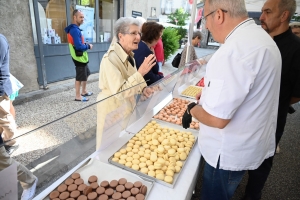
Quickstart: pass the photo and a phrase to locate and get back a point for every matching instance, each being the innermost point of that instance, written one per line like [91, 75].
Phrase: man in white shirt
[238, 106]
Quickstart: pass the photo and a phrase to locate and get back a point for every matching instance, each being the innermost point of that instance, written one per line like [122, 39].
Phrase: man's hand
[187, 117]
[91, 46]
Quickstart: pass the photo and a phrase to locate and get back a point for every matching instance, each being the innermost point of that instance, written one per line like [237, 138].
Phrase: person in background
[7, 125]
[295, 26]
[118, 73]
[241, 86]
[275, 18]
[78, 49]
[193, 56]
[159, 54]
[151, 32]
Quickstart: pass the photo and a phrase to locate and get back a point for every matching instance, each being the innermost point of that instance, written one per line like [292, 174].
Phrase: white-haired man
[238, 106]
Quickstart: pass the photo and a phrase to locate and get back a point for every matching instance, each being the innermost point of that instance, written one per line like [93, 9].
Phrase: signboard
[136, 14]
[88, 24]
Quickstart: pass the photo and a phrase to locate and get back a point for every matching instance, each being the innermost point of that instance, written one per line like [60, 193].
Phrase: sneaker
[11, 149]
[29, 193]
[277, 149]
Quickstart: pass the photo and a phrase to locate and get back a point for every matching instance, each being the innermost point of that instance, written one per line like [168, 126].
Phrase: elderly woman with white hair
[118, 73]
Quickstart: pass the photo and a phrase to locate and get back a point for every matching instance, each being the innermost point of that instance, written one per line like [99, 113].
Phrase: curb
[41, 93]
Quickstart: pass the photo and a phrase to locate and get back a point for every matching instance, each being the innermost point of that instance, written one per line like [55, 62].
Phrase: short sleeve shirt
[242, 84]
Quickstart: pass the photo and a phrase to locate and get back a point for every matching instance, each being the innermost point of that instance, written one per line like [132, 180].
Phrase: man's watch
[190, 106]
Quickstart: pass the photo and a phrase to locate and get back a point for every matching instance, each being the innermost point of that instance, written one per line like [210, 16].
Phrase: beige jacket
[116, 75]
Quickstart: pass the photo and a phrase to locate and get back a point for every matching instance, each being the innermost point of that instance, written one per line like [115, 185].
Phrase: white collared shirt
[242, 84]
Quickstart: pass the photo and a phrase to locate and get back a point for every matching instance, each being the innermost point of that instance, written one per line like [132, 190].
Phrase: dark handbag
[176, 60]
[78, 53]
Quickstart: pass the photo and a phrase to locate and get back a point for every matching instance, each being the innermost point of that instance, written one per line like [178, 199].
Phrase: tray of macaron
[157, 152]
[101, 181]
[173, 112]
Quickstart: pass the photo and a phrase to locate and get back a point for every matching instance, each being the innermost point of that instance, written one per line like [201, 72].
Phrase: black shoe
[11, 149]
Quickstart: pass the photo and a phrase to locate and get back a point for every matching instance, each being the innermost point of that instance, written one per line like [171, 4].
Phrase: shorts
[82, 72]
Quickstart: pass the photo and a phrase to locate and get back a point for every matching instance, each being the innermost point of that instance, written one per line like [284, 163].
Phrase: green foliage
[181, 32]
[180, 16]
[296, 17]
[170, 40]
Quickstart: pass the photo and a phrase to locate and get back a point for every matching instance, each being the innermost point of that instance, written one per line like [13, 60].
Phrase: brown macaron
[94, 185]
[56, 199]
[72, 187]
[69, 181]
[140, 197]
[109, 192]
[62, 188]
[137, 184]
[87, 190]
[82, 197]
[120, 188]
[143, 189]
[81, 187]
[54, 194]
[131, 198]
[93, 179]
[104, 184]
[113, 184]
[122, 181]
[103, 197]
[79, 181]
[92, 196]
[100, 190]
[126, 194]
[75, 194]
[117, 195]
[64, 195]
[70, 199]
[135, 191]
[75, 176]
[128, 185]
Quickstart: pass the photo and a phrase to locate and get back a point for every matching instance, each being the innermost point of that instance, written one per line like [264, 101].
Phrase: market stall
[143, 143]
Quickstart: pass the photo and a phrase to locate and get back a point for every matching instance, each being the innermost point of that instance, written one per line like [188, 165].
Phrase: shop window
[53, 19]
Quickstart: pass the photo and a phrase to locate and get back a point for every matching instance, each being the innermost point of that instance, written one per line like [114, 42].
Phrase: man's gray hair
[197, 34]
[288, 5]
[123, 24]
[235, 8]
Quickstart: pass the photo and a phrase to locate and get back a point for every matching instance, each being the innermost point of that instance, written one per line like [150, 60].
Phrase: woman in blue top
[151, 32]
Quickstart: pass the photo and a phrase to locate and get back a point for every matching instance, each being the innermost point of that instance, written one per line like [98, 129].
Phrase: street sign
[136, 14]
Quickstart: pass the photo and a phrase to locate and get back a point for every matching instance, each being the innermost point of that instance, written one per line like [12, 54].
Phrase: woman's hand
[147, 91]
[147, 65]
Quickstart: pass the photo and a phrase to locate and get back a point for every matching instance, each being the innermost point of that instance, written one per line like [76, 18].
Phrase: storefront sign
[9, 187]
[88, 24]
[136, 14]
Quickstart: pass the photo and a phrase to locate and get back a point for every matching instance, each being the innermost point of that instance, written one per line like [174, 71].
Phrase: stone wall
[16, 27]
[142, 6]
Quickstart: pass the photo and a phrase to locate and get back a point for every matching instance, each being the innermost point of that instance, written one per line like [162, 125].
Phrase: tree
[170, 40]
[296, 17]
[178, 17]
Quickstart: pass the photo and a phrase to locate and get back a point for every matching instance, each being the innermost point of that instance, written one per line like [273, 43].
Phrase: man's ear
[284, 16]
[220, 16]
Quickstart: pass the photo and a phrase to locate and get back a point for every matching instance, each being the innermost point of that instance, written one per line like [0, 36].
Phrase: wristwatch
[190, 106]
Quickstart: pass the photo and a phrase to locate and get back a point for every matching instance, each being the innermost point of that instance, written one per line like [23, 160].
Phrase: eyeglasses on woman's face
[134, 34]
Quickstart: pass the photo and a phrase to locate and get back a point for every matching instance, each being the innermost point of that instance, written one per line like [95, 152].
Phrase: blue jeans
[159, 66]
[219, 184]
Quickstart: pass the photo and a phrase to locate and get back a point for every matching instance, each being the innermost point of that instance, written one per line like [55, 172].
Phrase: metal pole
[191, 30]
[40, 43]
[68, 13]
[124, 8]
[97, 20]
